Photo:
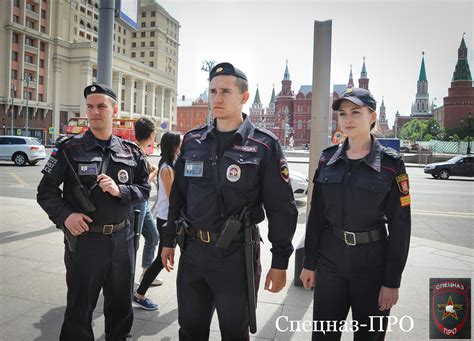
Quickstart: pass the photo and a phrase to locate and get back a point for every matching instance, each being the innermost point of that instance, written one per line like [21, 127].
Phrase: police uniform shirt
[251, 171]
[372, 192]
[126, 167]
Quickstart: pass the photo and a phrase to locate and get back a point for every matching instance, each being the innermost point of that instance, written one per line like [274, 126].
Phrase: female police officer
[359, 187]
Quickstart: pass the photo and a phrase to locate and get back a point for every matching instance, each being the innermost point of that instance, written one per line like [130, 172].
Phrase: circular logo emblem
[122, 176]
[233, 173]
[219, 69]
[93, 88]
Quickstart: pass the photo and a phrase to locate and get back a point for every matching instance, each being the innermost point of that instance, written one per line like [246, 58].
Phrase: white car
[299, 184]
[21, 150]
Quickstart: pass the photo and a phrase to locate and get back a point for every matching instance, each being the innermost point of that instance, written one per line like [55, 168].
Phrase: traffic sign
[163, 125]
[51, 130]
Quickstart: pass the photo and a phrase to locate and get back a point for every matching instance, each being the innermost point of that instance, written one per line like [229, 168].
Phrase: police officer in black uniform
[223, 168]
[102, 176]
[360, 191]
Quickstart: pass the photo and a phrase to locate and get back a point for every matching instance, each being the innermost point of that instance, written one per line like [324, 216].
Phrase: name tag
[193, 168]
[87, 169]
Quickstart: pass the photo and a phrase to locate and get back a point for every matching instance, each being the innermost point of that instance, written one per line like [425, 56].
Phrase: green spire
[462, 72]
[422, 69]
[257, 97]
[286, 76]
[272, 99]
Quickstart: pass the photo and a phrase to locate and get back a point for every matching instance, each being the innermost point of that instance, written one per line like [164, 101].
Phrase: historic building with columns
[50, 56]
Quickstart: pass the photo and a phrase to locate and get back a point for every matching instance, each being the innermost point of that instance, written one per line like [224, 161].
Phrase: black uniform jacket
[126, 167]
[252, 171]
[375, 192]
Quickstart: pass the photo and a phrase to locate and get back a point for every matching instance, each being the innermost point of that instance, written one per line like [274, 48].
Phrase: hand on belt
[354, 238]
[108, 228]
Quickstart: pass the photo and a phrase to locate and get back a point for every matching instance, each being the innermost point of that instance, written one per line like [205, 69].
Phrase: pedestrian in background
[360, 191]
[145, 135]
[169, 146]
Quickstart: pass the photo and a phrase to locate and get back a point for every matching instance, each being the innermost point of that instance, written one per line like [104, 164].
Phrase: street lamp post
[27, 79]
[12, 111]
[468, 125]
[207, 66]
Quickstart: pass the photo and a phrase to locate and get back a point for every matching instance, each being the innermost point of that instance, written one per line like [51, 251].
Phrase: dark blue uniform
[251, 171]
[360, 198]
[103, 259]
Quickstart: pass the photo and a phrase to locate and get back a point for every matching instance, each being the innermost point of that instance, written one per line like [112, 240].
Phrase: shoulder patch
[193, 132]
[391, 152]
[61, 140]
[267, 132]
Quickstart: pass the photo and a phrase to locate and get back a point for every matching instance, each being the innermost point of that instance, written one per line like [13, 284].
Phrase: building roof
[363, 73]
[305, 89]
[257, 97]
[339, 89]
[286, 76]
[422, 69]
[462, 72]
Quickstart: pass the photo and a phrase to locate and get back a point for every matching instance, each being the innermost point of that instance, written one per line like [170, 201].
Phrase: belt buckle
[108, 229]
[347, 240]
[206, 234]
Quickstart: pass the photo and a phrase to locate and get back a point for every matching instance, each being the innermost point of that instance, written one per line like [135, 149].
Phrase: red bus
[122, 127]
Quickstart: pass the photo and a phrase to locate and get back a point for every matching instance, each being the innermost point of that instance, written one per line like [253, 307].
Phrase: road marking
[19, 180]
[444, 213]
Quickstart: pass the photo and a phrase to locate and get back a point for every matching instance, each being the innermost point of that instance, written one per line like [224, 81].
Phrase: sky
[259, 36]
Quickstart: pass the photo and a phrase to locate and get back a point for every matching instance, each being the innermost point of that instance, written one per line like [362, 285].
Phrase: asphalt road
[442, 210]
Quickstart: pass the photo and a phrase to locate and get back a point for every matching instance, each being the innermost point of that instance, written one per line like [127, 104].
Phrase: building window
[142, 54]
[151, 64]
[143, 24]
[94, 72]
[29, 58]
[120, 29]
[134, 34]
[29, 41]
[42, 47]
[152, 24]
[153, 13]
[152, 33]
[134, 44]
[15, 38]
[40, 97]
[30, 7]
[43, 29]
[152, 53]
[43, 14]
[30, 24]
[17, 3]
[133, 54]
[123, 51]
[119, 39]
[41, 63]
[94, 39]
[124, 41]
[40, 79]
[118, 49]
[16, 19]
[142, 44]
[152, 43]
[124, 32]
[143, 34]
[14, 74]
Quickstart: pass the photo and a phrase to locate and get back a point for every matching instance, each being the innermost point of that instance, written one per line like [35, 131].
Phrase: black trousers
[155, 268]
[100, 262]
[333, 296]
[212, 279]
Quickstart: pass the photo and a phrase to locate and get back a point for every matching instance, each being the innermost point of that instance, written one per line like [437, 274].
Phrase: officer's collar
[244, 129]
[91, 142]
[373, 159]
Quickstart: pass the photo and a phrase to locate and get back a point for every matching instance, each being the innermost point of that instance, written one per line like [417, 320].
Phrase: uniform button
[372, 188]
[326, 179]
[241, 160]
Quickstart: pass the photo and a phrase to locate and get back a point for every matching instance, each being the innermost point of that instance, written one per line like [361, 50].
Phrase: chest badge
[122, 176]
[233, 173]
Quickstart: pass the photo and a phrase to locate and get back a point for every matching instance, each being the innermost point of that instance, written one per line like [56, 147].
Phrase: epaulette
[330, 148]
[61, 140]
[131, 143]
[267, 132]
[327, 153]
[391, 152]
[194, 130]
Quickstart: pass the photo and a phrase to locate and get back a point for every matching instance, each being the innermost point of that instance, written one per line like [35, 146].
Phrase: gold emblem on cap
[93, 88]
[349, 91]
[219, 69]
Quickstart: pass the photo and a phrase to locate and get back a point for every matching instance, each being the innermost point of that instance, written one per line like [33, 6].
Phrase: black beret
[99, 89]
[358, 96]
[226, 69]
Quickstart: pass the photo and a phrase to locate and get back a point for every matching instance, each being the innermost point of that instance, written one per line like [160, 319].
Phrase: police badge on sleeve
[450, 308]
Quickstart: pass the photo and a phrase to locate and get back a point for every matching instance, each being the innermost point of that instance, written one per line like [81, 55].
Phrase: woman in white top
[169, 145]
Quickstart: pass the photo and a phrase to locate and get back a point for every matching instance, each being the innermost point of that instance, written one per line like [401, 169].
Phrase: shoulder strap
[105, 162]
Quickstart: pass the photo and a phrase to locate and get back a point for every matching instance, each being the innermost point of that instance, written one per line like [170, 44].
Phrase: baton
[249, 259]
[136, 237]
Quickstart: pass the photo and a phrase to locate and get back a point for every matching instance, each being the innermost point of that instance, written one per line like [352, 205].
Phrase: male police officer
[103, 176]
[224, 168]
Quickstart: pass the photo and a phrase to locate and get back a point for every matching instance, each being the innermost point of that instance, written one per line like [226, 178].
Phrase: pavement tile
[447, 253]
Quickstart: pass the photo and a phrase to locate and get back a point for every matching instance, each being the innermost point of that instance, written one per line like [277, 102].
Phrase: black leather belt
[108, 228]
[354, 238]
[208, 236]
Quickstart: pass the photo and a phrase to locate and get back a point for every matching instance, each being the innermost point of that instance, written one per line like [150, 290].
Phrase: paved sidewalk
[33, 289]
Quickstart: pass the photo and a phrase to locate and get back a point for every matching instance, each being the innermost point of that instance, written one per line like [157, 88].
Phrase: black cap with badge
[226, 69]
[99, 89]
[358, 96]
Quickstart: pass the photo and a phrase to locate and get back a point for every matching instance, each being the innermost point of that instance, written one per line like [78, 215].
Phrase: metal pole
[12, 111]
[320, 111]
[27, 98]
[106, 42]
